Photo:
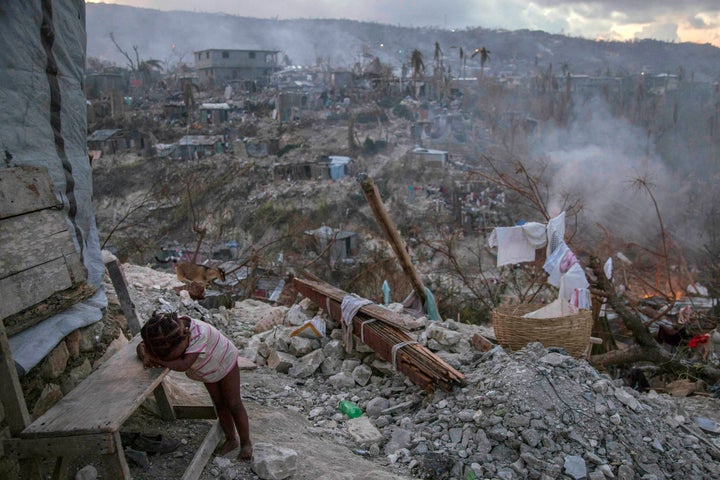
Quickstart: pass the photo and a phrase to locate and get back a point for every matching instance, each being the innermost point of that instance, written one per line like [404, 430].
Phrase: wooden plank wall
[37, 254]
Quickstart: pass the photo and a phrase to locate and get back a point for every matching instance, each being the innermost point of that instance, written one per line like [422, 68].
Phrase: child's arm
[181, 363]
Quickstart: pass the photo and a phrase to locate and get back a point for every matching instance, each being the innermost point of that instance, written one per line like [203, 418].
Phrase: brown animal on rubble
[191, 272]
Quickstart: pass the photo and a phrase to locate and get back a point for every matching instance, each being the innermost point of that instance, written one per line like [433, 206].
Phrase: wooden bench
[88, 419]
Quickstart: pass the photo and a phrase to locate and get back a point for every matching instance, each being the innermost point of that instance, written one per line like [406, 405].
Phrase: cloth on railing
[351, 305]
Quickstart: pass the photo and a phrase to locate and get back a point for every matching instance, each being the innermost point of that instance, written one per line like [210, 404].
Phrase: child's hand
[149, 361]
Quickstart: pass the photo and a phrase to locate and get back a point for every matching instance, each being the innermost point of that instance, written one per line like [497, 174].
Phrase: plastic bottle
[350, 409]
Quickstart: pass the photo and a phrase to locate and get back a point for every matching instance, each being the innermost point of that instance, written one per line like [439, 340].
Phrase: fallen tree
[646, 347]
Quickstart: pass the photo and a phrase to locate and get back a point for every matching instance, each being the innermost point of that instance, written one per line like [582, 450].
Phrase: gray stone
[270, 462]
[349, 364]
[281, 361]
[399, 439]
[555, 359]
[376, 406]
[575, 467]
[363, 432]
[361, 374]
[333, 349]
[531, 436]
[306, 366]
[342, 381]
[627, 399]
[331, 365]
[625, 472]
[596, 475]
[88, 472]
[300, 346]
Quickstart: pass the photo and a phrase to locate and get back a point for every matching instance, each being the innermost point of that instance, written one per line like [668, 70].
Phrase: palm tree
[438, 69]
[418, 68]
[146, 67]
[484, 57]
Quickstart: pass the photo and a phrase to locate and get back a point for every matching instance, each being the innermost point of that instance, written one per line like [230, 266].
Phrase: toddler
[197, 348]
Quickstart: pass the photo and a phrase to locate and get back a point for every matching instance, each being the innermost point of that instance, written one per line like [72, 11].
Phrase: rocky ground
[535, 414]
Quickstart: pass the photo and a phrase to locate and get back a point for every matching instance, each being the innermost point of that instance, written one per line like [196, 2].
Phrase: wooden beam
[204, 452]
[121, 289]
[67, 446]
[386, 224]
[404, 322]
[11, 394]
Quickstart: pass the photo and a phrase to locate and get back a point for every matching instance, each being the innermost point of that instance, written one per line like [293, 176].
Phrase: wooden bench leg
[62, 468]
[30, 469]
[163, 403]
[115, 463]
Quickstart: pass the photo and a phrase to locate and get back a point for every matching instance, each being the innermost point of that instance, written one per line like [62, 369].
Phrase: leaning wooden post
[381, 215]
[117, 276]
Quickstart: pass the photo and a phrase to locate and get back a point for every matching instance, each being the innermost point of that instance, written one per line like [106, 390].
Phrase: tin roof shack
[331, 167]
[199, 146]
[218, 67]
[268, 287]
[215, 113]
[111, 141]
[429, 157]
[343, 245]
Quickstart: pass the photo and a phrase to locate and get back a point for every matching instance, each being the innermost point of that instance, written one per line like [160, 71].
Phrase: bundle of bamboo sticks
[380, 329]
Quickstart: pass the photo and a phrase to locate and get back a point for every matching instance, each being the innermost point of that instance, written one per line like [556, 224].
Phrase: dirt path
[321, 455]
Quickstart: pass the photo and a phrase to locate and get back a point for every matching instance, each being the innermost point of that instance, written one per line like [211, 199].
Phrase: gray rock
[575, 467]
[361, 374]
[281, 361]
[271, 462]
[306, 366]
[88, 472]
[400, 439]
[341, 381]
[376, 406]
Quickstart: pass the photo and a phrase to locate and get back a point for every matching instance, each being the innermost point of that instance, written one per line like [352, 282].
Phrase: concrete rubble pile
[536, 413]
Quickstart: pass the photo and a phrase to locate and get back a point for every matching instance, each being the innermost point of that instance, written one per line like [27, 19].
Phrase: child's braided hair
[163, 332]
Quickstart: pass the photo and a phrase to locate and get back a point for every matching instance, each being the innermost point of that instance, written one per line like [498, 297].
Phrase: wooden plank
[34, 239]
[25, 189]
[29, 287]
[104, 400]
[54, 304]
[194, 412]
[121, 289]
[69, 446]
[11, 394]
[204, 452]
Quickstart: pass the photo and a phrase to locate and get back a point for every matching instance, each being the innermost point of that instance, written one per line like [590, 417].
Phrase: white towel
[351, 304]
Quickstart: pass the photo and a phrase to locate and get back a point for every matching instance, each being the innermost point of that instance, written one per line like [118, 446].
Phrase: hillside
[342, 43]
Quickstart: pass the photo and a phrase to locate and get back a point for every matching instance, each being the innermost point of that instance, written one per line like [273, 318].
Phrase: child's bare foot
[226, 447]
[245, 452]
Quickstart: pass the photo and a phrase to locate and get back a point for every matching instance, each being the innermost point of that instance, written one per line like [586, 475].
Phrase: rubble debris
[534, 413]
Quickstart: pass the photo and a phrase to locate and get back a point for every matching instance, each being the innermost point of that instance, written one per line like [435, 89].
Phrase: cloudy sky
[668, 20]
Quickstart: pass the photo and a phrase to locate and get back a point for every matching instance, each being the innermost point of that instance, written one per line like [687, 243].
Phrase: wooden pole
[381, 215]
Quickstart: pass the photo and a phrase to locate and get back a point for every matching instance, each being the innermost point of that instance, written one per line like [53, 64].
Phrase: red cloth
[697, 340]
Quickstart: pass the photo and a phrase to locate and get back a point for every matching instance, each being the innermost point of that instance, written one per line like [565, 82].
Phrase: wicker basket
[514, 331]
